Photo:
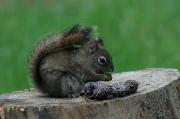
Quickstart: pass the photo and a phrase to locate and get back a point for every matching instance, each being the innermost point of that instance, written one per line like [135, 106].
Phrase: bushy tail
[77, 35]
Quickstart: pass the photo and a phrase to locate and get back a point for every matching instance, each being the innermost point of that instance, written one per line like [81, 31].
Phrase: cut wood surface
[158, 97]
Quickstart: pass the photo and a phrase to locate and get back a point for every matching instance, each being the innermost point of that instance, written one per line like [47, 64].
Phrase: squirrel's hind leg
[57, 83]
[52, 83]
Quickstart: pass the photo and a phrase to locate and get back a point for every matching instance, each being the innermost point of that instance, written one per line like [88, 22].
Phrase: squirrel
[60, 65]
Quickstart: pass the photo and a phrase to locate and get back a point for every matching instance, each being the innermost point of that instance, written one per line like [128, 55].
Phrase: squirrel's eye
[102, 60]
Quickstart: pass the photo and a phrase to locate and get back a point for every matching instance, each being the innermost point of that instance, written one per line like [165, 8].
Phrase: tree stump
[158, 97]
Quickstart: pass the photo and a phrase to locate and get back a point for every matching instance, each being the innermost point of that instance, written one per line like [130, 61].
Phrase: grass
[138, 34]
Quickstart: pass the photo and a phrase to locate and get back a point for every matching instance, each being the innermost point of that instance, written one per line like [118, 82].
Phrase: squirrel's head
[96, 58]
[92, 54]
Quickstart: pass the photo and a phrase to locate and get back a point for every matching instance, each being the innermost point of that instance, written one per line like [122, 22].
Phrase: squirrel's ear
[100, 41]
[92, 47]
[95, 45]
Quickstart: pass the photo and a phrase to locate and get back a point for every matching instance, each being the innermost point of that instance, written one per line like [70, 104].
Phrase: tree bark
[158, 97]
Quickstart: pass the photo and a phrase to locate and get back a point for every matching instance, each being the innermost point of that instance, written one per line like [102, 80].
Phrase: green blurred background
[138, 33]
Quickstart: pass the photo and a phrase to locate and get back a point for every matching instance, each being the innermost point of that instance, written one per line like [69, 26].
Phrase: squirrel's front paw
[107, 77]
[97, 90]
